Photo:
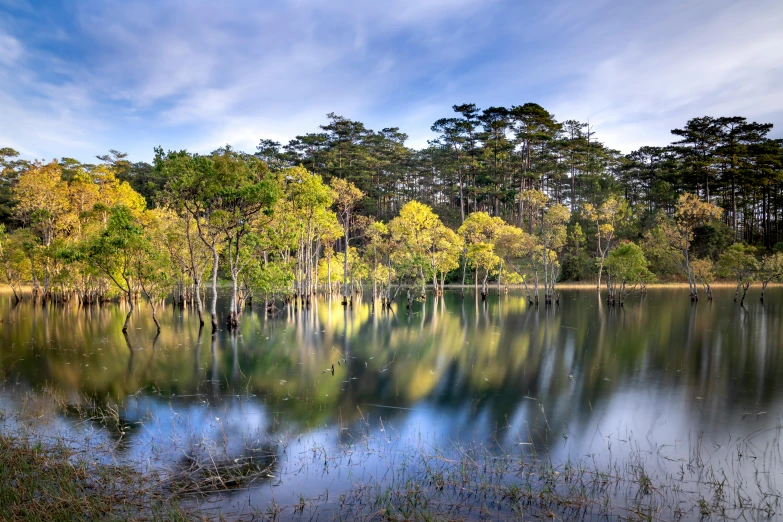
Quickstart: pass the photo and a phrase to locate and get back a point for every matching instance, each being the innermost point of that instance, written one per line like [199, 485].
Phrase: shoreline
[565, 285]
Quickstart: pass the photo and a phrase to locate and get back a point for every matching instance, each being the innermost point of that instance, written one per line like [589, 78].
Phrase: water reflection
[453, 368]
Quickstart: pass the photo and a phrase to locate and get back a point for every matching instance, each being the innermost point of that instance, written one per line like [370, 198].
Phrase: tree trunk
[600, 272]
[500, 273]
[130, 312]
[744, 293]
[461, 199]
[733, 205]
[214, 288]
[464, 273]
[199, 304]
[232, 316]
[345, 266]
[154, 314]
[521, 203]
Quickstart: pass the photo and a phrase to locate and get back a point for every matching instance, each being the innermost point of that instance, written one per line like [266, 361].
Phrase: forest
[499, 197]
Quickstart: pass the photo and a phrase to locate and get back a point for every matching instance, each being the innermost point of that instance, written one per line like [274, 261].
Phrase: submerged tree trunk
[199, 304]
[214, 289]
[600, 272]
[129, 296]
[527, 290]
[464, 274]
[329, 274]
[535, 288]
[154, 314]
[345, 266]
[233, 320]
[744, 292]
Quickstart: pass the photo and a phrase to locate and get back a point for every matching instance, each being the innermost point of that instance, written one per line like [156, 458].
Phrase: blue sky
[78, 78]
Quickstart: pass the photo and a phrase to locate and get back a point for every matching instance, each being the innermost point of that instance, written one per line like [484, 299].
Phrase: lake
[331, 403]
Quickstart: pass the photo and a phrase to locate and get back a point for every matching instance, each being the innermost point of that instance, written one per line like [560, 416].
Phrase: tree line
[499, 196]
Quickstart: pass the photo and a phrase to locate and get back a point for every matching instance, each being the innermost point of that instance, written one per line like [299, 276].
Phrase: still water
[579, 380]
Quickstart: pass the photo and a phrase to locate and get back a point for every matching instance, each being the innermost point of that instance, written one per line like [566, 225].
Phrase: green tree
[245, 199]
[480, 232]
[770, 269]
[192, 190]
[534, 128]
[700, 137]
[626, 268]
[346, 196]
[553, 239]
[151, 265]
[116, 252]
[425, 245]
[677, 234]
[16, 265]
[605, 218]
[739, 261]
[10, 168]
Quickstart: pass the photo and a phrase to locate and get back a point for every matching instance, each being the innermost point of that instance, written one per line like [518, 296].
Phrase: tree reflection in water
[565, 378]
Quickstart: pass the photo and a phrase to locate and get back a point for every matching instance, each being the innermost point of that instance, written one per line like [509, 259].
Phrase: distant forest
[525, 199]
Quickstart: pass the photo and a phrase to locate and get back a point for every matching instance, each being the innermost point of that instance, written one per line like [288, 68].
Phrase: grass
[51, 482]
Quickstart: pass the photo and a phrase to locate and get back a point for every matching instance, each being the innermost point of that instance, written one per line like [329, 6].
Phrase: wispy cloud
[197, 74]
[682, 62]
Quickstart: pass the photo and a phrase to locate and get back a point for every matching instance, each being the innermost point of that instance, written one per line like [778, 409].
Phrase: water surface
[579, 380]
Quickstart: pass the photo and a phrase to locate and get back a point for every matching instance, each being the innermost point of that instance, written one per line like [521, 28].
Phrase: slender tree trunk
[573, 189]
[233, 320]
[154, 313]
[600, 272]
[744, 293]
[129, 296]
[199, 304]
[329, 274]
[461, 199]
[546, 274]
[215, 260]
[345, 265]
[464, 274]
[707, 187]
[521, 205]
[734, 206]
[500, 273]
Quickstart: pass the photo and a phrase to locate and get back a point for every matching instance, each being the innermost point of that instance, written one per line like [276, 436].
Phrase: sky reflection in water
[570, 379]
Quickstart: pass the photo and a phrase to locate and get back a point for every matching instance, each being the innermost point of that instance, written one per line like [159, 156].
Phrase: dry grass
[52, 482]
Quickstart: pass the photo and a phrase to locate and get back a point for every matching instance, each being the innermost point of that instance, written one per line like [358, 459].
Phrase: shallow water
[661, 377]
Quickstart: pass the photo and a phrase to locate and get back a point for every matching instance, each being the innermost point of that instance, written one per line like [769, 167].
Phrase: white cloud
[10, 49]
[694, 62]
[198, 74]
